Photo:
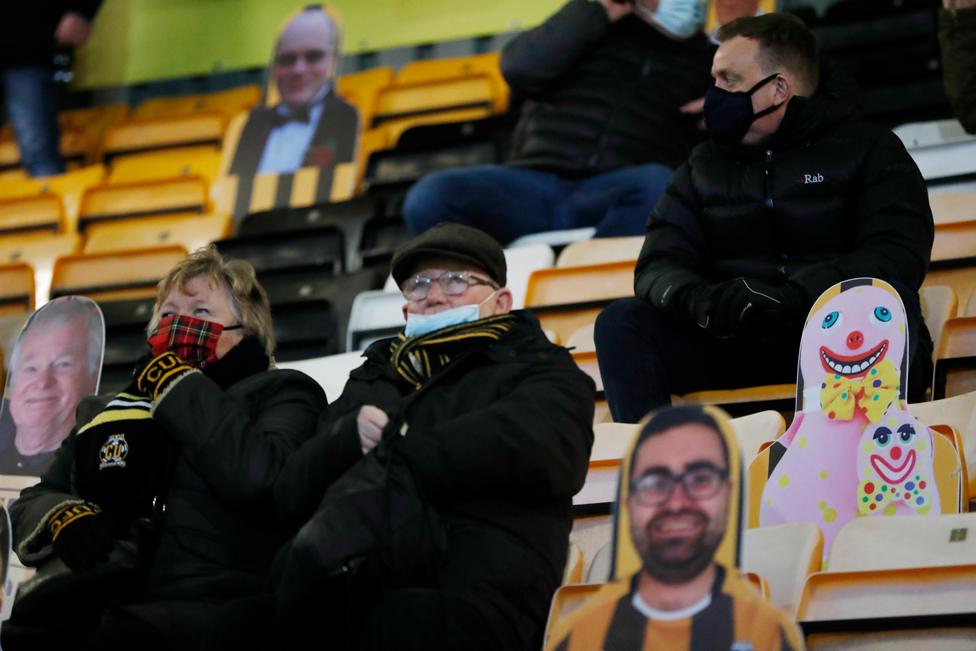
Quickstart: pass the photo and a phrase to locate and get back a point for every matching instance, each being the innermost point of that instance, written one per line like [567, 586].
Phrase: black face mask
[729, 115]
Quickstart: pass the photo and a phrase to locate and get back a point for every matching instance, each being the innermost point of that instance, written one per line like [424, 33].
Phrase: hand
[370, 422]
[161, 372]
[80, 536]
[733, 306]
[617, 10]
[73, 30]
[695, 107]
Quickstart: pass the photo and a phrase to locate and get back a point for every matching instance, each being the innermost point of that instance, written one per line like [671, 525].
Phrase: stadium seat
[473, 93]
[361, 88]
[586, 361]
[226, 102]
[69, 187]
[738, 402]
[202, 161]
[566, 299]
[955, 241]
[939, 304]
[39, 250]
[784, 555]
[331, 372]
[142, 199]
[953, 206]
[41, 213]
[125, 340]
[941, 149]
[574, 564]
[116, 275]
[152, 134]
[189, 230]
[600, 250]
[961, 278]
[556, 239]
[582, 339]
[958, 412]
[16, 288]
[316, 249]
[955, 360]
[427, 70]
[758, 428]
[375, 314]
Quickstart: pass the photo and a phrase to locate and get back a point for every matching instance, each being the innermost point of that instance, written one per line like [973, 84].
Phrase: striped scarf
[417, 359]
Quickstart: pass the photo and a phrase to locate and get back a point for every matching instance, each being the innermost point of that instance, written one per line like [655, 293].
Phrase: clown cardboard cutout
[677, 532]
[853, 449]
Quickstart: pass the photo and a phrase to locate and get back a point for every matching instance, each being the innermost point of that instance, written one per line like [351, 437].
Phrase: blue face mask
[421, 324]
[677, 18]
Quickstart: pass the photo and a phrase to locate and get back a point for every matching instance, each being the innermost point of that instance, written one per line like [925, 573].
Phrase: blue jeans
[32, 110]
[508, 202]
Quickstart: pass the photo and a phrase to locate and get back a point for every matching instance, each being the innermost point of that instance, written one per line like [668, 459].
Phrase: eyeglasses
[700, 483]
[453, 283]
[311, 57]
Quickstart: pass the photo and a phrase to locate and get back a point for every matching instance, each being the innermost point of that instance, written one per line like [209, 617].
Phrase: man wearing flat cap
[494, 424]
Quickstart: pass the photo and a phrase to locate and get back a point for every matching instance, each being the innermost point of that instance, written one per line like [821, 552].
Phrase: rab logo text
[813, 178]
[113, 452]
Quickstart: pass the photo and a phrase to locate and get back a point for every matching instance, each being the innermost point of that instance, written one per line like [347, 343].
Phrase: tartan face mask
[191, 339]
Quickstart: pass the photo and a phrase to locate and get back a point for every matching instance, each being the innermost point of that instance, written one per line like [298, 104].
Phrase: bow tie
[301, 114]
[872, 394]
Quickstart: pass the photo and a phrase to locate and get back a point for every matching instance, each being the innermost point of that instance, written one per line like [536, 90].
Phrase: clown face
[852, 350]
[894, 462]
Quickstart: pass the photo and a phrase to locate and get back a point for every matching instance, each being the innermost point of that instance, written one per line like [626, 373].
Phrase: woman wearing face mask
[193, 444]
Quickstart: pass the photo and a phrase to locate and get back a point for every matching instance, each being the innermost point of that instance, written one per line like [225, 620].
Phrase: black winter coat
[220, 531]
[826, 198]
[603, 95]
[499, 448]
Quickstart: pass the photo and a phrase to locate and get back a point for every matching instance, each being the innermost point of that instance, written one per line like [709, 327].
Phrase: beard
[675, 560]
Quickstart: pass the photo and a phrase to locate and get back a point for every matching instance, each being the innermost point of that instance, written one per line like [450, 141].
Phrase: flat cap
[455, 241]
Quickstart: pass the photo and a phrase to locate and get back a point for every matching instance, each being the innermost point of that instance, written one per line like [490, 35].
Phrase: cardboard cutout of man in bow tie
[304, 123]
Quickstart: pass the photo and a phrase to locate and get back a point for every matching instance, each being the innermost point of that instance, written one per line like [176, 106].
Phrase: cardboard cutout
[676, 507]
[721, 12]
[853, 448]
[57, 360]
[304, 123]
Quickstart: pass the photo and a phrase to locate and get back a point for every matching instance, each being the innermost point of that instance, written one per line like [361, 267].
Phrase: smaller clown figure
[894, 464]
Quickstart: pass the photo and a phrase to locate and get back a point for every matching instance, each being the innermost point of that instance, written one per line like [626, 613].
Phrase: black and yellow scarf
[417, 359]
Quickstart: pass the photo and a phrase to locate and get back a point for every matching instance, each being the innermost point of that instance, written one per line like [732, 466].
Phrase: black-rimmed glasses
[700, 483]
[311, 57]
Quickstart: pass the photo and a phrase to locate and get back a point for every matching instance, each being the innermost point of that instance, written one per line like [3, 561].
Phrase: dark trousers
[646, 357]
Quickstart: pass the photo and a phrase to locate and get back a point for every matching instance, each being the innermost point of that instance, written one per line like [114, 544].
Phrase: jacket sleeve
[957, 39]
[29, 513]
[892, 228]
[87, 8]
[535, 439]
[239, 444]
[310, 471]
[539, 57]
[675, 254]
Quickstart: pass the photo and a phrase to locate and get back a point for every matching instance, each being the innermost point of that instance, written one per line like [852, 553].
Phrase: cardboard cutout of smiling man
[306, 124]
[56, 361]
[678, 528]
[853, 448]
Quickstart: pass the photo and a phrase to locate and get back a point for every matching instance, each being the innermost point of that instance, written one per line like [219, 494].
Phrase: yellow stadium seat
[954, 241]
[164, 133]
[437, 69]
[955, 360]
[148, 198]
[939, 304]
[953, 206]
[784, 555]
[362, 88]
[81, 134]
[44, 212]
[574, 564]
[16, 288]
[189, 230]
[404, 101]
[226, 102]
[962, 279]
[567, 299]
[600, 250]
[202, 161]
[116, 275]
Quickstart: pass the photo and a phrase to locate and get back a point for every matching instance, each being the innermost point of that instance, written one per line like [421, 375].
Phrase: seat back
[600, 250]
[939, 304]
[143, 199]
[375, 314]
[164, 133]
[116, 275]
[202, 161]
[16, 288]
[784, 555]
[189, 230]
[41, 213]
[955, 360]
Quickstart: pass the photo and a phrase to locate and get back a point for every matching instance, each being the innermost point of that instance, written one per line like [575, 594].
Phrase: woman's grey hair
[249, 301]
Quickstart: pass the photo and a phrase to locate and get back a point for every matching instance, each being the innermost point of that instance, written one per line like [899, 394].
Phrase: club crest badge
[113, 452]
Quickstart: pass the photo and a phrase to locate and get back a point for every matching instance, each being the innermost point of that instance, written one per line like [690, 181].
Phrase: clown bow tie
[872, 393]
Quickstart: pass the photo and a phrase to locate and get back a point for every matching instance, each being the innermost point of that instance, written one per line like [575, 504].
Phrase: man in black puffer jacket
[602, 128]
[792, 194]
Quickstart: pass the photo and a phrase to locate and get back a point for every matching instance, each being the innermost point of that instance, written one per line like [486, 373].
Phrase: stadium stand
[16, 288]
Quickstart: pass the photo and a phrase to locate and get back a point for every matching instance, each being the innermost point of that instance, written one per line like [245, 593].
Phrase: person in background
[210, 399]
[311, 126]
[601, 129]
[957, 39]
[791, 194]
[29, 35]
